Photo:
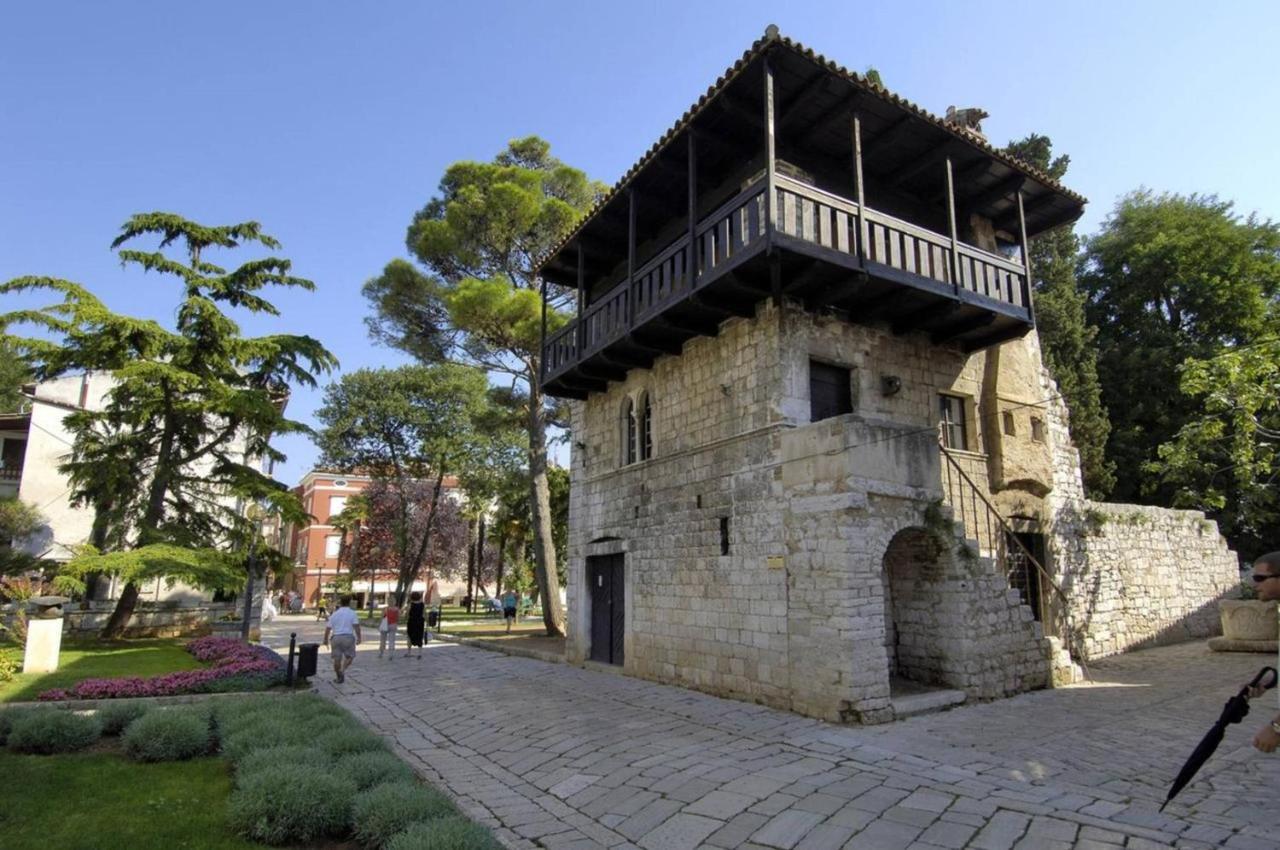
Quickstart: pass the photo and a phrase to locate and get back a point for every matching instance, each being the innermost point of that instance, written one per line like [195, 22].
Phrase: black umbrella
[1233, 712]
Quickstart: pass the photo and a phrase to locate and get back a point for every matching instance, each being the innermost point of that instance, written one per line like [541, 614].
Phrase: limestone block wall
[794, 614]
[1135, 575]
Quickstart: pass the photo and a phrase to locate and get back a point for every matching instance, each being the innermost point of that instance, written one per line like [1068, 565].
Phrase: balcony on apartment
[792, 178]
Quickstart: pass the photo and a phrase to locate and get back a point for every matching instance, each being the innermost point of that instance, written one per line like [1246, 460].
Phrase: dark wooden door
[608, 613]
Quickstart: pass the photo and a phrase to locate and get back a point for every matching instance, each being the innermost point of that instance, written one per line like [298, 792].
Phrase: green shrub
[115, 716]
[168, 735]
[8, 717]
[261, 759]
[384, 810]
[446, 833]
[372, 768]
[262, 732]
[354, 739]
[291, 804]
[10, 663]
[52, 730]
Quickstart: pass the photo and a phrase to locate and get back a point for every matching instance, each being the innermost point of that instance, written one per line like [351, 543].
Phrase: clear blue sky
[331, 123]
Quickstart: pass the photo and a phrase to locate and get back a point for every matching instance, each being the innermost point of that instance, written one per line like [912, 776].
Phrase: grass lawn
[92, 801]
[88, 660]
[495, 627]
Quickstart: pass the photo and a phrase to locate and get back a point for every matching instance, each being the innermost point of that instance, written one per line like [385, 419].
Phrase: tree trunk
[471, 563]
[544, 549]
[502, 561]
[480, 557]
[147, 528]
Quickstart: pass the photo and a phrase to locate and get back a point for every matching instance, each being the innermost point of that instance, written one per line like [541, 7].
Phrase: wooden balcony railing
[857, 237]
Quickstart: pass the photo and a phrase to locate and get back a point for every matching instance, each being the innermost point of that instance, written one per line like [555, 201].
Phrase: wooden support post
[951, 223]
[542, 345]
[581, 329]
[631, 258]
[692, 266]
[860, 221]
[771, 160]
[1026, 258]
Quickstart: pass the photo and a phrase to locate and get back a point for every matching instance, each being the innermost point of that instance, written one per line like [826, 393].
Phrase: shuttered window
[954, 434]
[830, 393]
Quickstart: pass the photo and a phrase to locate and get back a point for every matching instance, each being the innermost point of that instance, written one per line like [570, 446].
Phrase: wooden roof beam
[886, 137]
[809, 88]
[1010, 219]
[922, 163]
[1000, 190]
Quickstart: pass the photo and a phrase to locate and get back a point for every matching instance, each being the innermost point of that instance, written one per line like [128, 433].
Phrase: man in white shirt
[344, 627]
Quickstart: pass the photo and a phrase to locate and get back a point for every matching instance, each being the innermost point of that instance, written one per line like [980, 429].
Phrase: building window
[830, 391]
[724, 535]
[1037, 429]
[1009, 428]
[336, 505]
[954, 433]
[332, 545]
[629, 433]
[646, 428]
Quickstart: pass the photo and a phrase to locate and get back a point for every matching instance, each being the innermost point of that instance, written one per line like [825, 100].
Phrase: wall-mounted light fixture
[890, 385]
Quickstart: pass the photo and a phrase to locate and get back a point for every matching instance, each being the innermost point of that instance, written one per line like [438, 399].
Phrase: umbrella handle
[1262, 676]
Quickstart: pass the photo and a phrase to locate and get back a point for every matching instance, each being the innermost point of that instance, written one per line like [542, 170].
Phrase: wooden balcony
[827, 251]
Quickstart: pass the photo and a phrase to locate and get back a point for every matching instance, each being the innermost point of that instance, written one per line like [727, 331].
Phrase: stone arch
[914, 578]
[627, 432]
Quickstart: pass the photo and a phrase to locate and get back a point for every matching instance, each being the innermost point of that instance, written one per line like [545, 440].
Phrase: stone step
[927, 702]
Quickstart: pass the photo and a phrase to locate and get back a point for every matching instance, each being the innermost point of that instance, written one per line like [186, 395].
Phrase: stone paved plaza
[556, 756]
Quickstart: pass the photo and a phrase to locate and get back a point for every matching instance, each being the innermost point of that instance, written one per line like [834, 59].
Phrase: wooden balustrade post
[631, 258]
[581, 329]
[951, 223]
[860, 221]
[770, 160]
[692, 268]
[542, 339]
[1026, 260]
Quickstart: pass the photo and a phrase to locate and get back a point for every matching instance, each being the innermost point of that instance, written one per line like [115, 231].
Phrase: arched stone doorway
[915, 609]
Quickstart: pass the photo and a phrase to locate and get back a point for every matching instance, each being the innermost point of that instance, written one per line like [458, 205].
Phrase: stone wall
[1135, 575]
[794, 614]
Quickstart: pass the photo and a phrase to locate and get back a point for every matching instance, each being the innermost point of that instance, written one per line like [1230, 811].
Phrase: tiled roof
[770, 38]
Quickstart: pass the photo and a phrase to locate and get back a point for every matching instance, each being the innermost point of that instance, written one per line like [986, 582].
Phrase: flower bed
[234, 666]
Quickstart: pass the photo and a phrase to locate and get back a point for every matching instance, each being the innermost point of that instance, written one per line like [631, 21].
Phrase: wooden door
[608, 612]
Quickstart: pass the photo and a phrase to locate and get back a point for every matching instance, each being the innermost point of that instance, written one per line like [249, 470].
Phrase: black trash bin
[307, 653]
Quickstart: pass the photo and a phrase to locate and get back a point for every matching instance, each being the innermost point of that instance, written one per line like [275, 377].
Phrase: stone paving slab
[551, 755]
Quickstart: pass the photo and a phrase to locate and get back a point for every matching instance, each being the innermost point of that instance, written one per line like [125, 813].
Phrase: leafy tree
[1170, 278]
[1226, 458]
[478, 302]
[13, 374]
[386, 536]
[18, 519]
[168, 460]
[1067, 340]
[404, 427]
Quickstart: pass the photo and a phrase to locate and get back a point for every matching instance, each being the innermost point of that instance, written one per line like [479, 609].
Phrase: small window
[341, 482]
[337, 504]
[646, 428]
[954, 433]
[629, 433]
[332, 545]
[1037, 429]
[724, 535]
[830, 392]
[1009, 428]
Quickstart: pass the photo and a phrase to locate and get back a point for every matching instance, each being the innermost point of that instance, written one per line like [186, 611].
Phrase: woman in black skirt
[417, 623]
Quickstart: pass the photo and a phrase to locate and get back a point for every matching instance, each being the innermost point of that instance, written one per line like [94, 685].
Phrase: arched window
[629, 432]
[646, 428]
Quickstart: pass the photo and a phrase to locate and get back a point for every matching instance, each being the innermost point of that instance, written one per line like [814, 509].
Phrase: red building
[316, 548]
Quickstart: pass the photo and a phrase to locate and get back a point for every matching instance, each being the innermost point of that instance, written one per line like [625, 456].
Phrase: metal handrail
[976, 496]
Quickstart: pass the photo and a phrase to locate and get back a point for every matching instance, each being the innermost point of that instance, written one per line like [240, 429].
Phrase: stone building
[827, 470]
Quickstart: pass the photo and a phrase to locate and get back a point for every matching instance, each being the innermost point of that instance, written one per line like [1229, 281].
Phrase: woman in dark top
[417, 623]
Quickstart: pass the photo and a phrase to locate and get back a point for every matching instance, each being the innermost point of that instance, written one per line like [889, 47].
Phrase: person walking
[389, 628]
[322, 609]
[510, 600]
[417, 623]
[344, 629]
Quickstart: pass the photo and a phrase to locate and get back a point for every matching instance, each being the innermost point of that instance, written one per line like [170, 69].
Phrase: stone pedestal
[1249, 620]
[1222, 644]
[44, 640]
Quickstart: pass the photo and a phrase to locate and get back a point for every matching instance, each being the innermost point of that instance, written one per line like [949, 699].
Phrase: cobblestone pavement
[556, 756]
